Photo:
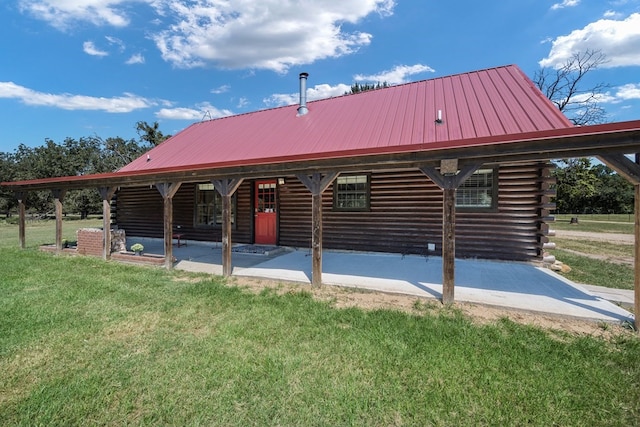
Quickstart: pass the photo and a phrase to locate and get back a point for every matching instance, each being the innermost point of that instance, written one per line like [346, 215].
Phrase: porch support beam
[21, 196]
[448, 182]
[623, 165]
[107, 194]
[636, 263]
[631, 171]
[58, 198]
[167, 191]
[316, 184]
[226, 187]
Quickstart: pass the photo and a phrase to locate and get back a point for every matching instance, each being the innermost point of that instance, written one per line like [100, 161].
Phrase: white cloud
[91, 49]
[565, 3]
[61, 13]
[120, 104]
[221, 89]
[242, 102]
[612, 14]
[628, 92]
[321, 91]
[137, 58]
[618, 40]
[202, 111]
[396, 75]
[117, 42]
[269, 34]
[232, 34]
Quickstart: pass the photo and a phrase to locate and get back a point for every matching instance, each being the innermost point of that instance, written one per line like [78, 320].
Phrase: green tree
[363, 87]
[614, 194]
[576, 185]
[151, 133]
[7, 173]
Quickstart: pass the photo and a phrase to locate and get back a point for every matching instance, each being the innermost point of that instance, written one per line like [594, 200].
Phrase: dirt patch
[615, 238]
[624, 239]
[480, 314]
[619, 260]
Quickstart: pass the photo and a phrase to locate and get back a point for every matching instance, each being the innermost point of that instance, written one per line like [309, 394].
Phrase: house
[454, 166]
[502, 208]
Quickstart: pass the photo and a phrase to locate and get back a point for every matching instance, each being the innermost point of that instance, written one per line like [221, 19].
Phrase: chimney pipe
[302, 109]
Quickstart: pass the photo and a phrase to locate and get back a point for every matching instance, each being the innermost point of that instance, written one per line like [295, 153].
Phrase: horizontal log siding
[139, 213]
[406, 215]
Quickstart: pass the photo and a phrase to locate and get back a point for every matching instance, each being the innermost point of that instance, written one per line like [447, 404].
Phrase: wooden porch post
[21, 196]
[58, 197]
[107, 194]
[316, 184]
[448, 244]
[636, 263]
[168, 190]
[226, 187]
[449, 178]
[631, 171]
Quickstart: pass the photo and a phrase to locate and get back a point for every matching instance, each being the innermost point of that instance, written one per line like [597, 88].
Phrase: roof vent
[302, 109]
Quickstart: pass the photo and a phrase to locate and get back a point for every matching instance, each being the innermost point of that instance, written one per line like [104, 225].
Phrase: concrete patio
[506, 284]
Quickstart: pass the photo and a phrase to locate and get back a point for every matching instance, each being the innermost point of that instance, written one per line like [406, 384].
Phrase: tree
[88, 155]
[7, 173]
[563, 85]
[575, 185]
[585, 188]
[614, 194]
[363, 87]
[150, 133]
[118, 152]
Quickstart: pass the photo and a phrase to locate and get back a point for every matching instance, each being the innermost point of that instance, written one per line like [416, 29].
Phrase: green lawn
[87, 342]
[593, 226]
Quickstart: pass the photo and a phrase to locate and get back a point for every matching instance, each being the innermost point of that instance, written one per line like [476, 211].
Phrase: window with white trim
[479, 191]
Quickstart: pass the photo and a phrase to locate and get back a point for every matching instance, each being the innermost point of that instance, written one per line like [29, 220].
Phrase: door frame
[275, 205]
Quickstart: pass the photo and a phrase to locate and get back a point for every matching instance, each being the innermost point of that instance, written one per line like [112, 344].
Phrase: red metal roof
[478, 108]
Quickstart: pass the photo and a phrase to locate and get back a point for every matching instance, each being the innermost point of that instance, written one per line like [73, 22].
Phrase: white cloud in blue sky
[565, 3]
[222, 57]
[619, 40]
[121, 104]
[90, 49]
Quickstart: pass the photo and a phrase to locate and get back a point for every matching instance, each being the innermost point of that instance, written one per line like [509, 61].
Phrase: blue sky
[74, 68]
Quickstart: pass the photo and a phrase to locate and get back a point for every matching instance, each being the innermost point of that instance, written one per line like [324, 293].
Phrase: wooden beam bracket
[623, 165]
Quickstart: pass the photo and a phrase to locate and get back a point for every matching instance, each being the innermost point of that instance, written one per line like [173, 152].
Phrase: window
[209, 206]
[479, 191]
[351, 193]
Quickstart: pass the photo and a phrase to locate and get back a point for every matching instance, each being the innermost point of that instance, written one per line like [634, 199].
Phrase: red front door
[265, 212]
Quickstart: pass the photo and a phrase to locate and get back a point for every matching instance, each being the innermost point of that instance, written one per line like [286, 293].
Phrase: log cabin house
[502, 209]
[457, 165]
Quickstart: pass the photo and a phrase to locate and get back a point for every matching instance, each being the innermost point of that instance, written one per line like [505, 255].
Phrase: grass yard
[618, 223]
[595, 272]
[87, 342]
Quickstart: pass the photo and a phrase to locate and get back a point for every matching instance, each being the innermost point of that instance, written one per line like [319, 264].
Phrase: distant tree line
[72, 157]
[585, 188]
[363, 87]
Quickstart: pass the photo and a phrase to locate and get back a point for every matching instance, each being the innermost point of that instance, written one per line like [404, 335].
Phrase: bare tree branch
[563, 86]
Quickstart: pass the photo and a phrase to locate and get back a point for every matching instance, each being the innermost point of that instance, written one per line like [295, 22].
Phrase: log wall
[405, 216]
